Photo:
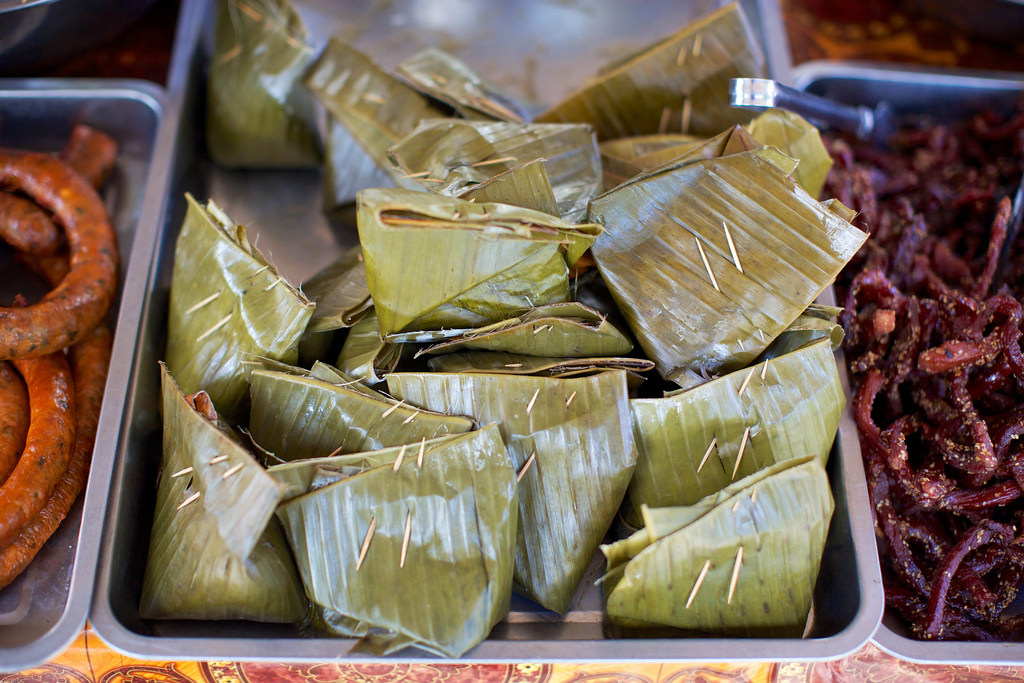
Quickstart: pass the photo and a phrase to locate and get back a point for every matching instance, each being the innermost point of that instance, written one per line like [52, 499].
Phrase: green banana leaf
[770, 535]
[501, 363]
[578, 431]
[298, 476]
[365, 355]
[456, 155]
[255, 114]
[456, 578]
[792, 411]
[376, 108]
[798, 138]
[449, 80]
[814, 323]
[340, 292]
[566, 330]
[680, 84]
[526, 185]
[227, 302]
[769, 248]
[297, 417]
[347, 169]
[487, 261]
[215, 551]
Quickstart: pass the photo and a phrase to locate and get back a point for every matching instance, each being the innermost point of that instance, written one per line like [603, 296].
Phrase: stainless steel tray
[44, 609]
[946, 95]
[284, 209]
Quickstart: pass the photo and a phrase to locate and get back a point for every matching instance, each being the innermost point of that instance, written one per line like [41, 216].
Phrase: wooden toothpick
[739, 456]
[373, 97]
[681, 57]
[219, 458]
[410, 418]
[732, 247]
[684, 125]
[764, 369]
[569, 400]
[419, 456]
[493, 161]
[191, 499]
[735, 574]
[181, 473]
[233, 470]
[707, 453]
[202, 303]
[392, 408]
[697, 43]
[400, 458]
[406, 536]
[529, 406]
[223, 321]
[366, 542]
[526, 466]
[707, 266]
[421, 174]
[746, 381]
[698, 582]
[663, 122]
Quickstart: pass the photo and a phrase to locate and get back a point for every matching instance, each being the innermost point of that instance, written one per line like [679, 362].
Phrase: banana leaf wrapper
[792, 411]
[453, 582]
[227, 303]
[347, 168]
[462, 154]
[814, 323]
[450, 80]
[222, 555]
[365, 355]
[256, 114]
[780, 521]
[501, 363]
[568, 330]
[579, 432]
[298, 476]
[340, 292]
[770, 250]
[679, 84]
[376, 108]
[794, 136]
[526, 185]
[488, 262]
[297, 417]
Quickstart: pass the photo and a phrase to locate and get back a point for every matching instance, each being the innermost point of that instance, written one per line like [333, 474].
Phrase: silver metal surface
[43, 610]
[945, 95]
[283, 208]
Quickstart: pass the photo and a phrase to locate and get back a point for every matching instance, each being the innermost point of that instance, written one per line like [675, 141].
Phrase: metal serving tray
[946, 95]
[283, 208]
[44, 609]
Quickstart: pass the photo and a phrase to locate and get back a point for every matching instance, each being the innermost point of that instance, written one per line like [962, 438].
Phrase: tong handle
[764, 92]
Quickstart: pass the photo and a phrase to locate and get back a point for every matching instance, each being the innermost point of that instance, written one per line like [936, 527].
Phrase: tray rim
[94, 500]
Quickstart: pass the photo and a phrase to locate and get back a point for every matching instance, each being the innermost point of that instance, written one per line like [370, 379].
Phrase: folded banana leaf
[814, 323]
[347, 168]
[227, 303]
[501, 363]
[745, 564]
[256, 116]
[620, 157]
[679, 84]
[526, 185]
[215, 550]
[340, 292]
[571, 443]
[296, 417]
[487, 261]
[711, 260]
[423, 552]
[298, 476]
[377, 109]
[567, 330]
[449, 80]
[795, 137]
[693, 443]
[450, 156]
[365, 355]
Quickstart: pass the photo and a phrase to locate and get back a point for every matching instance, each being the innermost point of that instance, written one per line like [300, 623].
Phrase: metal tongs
[874, 124]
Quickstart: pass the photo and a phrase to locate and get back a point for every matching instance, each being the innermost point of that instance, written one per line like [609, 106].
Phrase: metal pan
[43, 610]
[283, 207]
[946, 95]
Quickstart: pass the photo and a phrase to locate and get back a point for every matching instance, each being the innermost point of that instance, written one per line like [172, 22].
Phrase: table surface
[884, 30]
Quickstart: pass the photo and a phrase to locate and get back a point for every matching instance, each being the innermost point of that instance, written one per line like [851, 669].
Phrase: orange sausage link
[81, 300]
[51, 435]
[14, 418]
[91, 153]
[26, 227]
[90, 360]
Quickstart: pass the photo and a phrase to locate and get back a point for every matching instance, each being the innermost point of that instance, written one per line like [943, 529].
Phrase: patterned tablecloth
[886, 30]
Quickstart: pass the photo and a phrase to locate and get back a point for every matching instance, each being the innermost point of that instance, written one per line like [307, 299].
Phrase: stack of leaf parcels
[742, 561]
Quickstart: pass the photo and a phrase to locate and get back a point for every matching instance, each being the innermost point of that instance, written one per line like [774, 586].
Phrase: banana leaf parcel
[227, 302]
[566, 330]
[743, 562]
[419, 554]
[340, 292]
[679, 84]
[216, 551]
[499, 362]
[487, 262]
[256, 113]
[571, 443]
[797, 138]
[710, 260]
[347, 169]
[365, 355]
[298, 417]
[451, 156]
[693, 443]
[816, 322]
[526, 185]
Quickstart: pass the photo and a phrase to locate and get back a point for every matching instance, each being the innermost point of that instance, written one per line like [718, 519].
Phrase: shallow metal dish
[945, 95]
[44, 609]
